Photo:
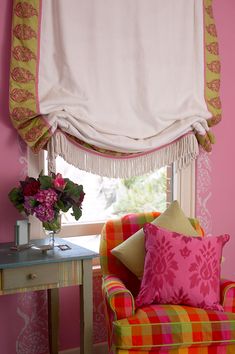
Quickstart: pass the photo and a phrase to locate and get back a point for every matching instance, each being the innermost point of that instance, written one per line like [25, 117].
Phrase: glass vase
[51, 228]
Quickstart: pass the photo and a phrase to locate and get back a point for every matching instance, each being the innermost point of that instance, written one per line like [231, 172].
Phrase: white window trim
[35, 166]
[185, 188]
[184, 192]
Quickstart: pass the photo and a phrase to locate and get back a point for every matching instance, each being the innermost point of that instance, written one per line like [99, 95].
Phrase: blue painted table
[31, 269]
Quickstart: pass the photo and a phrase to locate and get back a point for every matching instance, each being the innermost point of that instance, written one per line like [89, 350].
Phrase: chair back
[114, 232]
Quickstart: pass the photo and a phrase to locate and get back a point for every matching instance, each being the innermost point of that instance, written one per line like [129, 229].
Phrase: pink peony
[59, 182]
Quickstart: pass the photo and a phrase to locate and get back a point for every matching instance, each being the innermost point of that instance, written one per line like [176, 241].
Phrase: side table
[32, 270]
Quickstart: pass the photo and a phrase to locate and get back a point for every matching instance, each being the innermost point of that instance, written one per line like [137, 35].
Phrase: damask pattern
[33, 337]
[194, 277]
[203, 190]
[99, 325]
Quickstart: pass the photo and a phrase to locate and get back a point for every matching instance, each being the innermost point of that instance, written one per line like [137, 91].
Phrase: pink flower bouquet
[46, 196]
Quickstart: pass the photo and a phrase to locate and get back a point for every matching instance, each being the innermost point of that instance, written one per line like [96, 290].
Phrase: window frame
[183, 190]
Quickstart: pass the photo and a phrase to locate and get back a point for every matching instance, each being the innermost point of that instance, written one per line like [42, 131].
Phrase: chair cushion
[172, 219]
[181, 269]
[174, 326]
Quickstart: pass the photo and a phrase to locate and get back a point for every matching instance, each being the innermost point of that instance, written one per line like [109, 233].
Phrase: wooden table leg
[86, 309]
[53, 319]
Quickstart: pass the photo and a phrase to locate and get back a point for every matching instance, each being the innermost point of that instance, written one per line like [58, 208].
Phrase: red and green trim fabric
[212, 75]
[166, 329]
[23, 95]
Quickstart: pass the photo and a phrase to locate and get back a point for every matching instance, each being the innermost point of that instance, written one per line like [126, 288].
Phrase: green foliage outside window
[110, 197]
[136, 194]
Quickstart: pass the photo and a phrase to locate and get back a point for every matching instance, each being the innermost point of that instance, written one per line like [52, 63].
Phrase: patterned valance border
[212, 75]
[24, 107]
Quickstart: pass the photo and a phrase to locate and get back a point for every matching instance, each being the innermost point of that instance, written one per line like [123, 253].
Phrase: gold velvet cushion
[131, 252]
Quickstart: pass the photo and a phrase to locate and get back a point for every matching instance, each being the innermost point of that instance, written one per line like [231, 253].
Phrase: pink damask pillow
[181, 269]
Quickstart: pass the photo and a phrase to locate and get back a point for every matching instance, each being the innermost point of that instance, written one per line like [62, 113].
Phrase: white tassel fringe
[182, 152]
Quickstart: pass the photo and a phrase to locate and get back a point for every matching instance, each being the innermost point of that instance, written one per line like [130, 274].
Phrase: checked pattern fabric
[174, 326]
[165, 329]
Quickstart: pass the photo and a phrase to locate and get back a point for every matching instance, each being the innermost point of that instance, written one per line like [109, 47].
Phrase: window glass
[113, 197]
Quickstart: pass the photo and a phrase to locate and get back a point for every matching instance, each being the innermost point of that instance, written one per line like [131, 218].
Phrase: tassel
[182, 152]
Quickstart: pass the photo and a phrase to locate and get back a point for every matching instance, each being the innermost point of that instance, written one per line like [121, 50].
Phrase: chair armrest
[227, 292]
[117, 297]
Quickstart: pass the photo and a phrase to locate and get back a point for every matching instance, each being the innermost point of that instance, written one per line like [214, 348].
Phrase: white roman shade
[119, 86]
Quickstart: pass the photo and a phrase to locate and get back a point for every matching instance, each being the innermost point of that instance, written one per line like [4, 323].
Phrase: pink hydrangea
[29, 209]
[43, 213]
[47, 196]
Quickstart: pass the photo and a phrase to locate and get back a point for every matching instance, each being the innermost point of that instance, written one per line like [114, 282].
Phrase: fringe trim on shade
[182, 152]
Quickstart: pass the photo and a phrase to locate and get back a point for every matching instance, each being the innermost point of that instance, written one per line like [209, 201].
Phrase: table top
[10, 258]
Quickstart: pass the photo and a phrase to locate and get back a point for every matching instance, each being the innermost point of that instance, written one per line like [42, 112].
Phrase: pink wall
[215, 206]
[28, 311]
[9, 146]
[221, 203]
[11, 168]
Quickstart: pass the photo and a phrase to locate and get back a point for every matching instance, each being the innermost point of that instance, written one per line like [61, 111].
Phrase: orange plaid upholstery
[166, 329]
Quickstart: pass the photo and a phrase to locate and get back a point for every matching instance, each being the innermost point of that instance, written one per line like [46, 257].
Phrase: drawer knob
[32, 276]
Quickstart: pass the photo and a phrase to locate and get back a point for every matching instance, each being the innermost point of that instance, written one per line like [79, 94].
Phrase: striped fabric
[174, 326]
[164, 329]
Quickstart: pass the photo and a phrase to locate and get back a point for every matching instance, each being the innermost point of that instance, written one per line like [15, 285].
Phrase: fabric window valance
[117, 88]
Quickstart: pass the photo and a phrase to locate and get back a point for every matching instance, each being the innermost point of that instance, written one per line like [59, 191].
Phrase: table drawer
[25, 277]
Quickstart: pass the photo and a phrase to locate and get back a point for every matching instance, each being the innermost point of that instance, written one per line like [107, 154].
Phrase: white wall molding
[35, 166]
[184, 189]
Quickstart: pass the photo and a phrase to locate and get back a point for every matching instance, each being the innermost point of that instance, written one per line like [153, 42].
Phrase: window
[113, 197]
[108, 198]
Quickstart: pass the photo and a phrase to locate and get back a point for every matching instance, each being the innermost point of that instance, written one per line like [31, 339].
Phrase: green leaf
[17, 199]
[60, 205]
[54, 225]
[20, 208]
[77, 212]
[15, 195]
[73, 189]
[46, 182]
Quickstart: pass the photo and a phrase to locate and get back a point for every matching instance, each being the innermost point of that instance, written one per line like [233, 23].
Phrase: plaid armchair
[165, 329]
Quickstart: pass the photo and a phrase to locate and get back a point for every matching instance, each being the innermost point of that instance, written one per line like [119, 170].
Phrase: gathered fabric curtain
[118, 88]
